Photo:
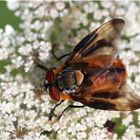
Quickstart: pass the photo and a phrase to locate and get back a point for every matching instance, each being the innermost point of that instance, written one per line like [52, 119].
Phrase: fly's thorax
[69, 79]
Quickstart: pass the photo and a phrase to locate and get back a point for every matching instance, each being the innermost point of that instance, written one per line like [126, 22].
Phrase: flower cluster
[24, 106]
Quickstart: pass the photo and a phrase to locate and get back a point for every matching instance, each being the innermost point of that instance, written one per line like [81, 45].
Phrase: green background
[8, 17]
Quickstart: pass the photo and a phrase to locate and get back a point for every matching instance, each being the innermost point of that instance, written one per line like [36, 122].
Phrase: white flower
[7, 107]
[81, 135]
[134, 43]
[127, 120]
[130, 133]
[60, 5]
[5, 135]
[24, 106]
[3, 54]
[101, 119]
[5, 42]
[9, 30]
[18, 61]
[12, 4]
[53, 13]
[56, 126]
[25, 50]
[28, 65]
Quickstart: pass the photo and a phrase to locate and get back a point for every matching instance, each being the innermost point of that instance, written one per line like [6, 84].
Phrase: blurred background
[28, 31]
[8, 17]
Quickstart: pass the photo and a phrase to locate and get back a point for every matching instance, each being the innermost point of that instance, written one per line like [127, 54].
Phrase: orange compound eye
[54, 94]
[50, 76]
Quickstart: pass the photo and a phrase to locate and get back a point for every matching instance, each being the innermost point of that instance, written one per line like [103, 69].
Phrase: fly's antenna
[37, 61]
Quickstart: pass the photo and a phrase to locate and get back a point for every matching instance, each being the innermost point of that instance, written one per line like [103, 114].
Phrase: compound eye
[54, 94]
[50, 76]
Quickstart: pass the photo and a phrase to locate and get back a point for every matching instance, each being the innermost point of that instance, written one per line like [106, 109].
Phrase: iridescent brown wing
[106, 89]
[99, 43]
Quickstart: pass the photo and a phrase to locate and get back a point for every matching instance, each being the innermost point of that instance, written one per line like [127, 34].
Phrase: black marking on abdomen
[118, 70]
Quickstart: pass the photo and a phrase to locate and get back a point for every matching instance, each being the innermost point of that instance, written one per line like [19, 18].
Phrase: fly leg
[51, 114]
[58, 58]
[69, 106]
[41, 66]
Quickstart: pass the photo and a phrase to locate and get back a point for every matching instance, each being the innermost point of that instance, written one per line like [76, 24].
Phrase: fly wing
[124, 99]
[106, 89]
[100, 42]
